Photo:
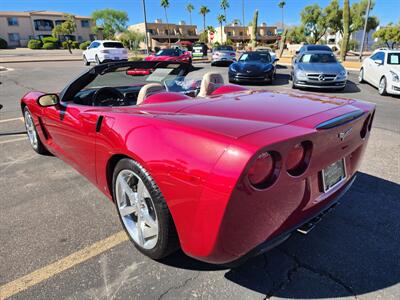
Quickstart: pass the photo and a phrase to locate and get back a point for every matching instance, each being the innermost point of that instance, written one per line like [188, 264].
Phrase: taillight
[370, 122]
[298, 158]
[263, 170]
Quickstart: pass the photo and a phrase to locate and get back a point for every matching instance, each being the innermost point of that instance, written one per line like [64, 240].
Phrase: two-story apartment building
[159, 32]
[238, 33]
[17, 28]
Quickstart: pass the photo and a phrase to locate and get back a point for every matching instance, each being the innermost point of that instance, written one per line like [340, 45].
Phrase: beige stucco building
[237, 34]
[17, 28]
[160, 33]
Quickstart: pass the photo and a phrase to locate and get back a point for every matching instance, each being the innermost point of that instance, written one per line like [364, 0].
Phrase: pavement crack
[177, 287]
[322, 273]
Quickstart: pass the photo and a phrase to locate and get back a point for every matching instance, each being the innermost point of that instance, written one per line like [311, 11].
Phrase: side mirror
[378, 62]
[48, 100]
[276, 59]
[297, 52]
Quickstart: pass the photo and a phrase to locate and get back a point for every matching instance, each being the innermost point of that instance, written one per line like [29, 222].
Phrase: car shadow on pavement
[352, 251]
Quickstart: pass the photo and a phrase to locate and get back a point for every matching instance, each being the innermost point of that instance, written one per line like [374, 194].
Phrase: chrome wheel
[30, 130]
[382, 86]
[136, 209]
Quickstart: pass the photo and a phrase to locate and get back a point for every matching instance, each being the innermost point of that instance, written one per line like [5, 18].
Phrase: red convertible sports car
[175, 54]
[219, 170]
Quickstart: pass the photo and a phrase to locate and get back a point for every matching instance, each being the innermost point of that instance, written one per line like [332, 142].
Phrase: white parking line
[13, 141]
[12, 119]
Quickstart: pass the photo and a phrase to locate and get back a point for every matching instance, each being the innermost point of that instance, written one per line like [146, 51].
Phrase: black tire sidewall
[40, 149]
[167, 238]
[383, 93]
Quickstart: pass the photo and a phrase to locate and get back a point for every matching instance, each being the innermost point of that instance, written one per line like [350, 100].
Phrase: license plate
[333, 175]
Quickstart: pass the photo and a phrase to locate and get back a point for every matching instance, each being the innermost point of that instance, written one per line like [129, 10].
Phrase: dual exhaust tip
[310, 225]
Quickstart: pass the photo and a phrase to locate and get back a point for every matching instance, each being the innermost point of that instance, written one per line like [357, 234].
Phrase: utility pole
[146, 39]
[365, 29]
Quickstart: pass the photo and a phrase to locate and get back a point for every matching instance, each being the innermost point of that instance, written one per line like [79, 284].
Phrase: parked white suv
[382, 70]
[103, 51]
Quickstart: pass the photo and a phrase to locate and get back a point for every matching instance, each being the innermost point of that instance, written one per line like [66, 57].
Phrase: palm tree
[221, 19]
[190, 8]
[224, 5]
[203, 11]
[165, 4]
[281, 6]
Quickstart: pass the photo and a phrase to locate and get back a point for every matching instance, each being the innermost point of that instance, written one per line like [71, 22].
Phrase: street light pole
[146, 39]
[365, 29]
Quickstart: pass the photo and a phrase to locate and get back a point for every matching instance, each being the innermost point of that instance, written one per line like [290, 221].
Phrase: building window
[59, 22]
[151, 31]
[166, 31]
[229, 33]
[92, 37]
[13, 37]
[43, 25]
[241, 33]
[85, 23]
[80, 39]
[12, 21]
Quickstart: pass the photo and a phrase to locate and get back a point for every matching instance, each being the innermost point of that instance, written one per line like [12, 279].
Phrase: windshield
[260, 57]
[393, 59]
[168, 52]
[223, 48]
[113, 45]
[323, 58]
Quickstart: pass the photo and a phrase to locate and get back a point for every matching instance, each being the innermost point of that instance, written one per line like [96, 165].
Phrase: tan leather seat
[209, 83]
[147, 90]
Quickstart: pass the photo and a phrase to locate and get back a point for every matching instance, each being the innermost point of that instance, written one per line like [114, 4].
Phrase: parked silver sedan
[223, 54]
[318, 69]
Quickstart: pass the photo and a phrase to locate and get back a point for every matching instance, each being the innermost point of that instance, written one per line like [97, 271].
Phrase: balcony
[43, 25]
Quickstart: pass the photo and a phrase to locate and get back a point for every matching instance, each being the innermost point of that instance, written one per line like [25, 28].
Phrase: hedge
[49, 39]
[35, 44]
[3, 44]
[84, 45]
[74, 45]
[49, 46]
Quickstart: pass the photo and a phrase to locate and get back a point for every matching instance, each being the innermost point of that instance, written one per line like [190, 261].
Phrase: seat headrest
[209, 83]
[147, 90]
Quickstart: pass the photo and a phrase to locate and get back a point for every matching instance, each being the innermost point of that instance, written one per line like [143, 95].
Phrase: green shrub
[35, 44]
[49, 46]
[3, 44]
[75, 45]
[84, 45]
[50, 39]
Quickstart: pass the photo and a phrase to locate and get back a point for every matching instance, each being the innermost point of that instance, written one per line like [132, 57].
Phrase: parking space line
[12, 119]
[13, 140]
[42, 274]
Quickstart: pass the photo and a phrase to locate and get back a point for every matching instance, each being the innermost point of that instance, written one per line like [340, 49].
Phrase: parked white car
[382, 70]
[268, 49]
[104, 51]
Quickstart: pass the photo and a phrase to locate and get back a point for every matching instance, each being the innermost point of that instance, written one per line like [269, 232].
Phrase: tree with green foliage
[334, 17]
[224, 6]
[165, 5]
[68, 27]
[210, 28]
[281, 5]
[254, 27]
[111, 21]
[314, 22]
[131, 39]
[296, 34]
[390, 35]
[204, 10]
[221, 19]
[346, 30]
[189, 9]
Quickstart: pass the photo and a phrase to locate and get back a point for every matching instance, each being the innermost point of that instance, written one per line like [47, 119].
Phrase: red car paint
[185, 57]
[199, 153]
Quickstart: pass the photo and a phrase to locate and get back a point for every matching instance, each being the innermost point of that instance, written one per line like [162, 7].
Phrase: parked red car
[171, 55]
[224, 174]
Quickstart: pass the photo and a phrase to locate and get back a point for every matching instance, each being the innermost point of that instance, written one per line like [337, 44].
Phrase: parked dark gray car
[318, 69]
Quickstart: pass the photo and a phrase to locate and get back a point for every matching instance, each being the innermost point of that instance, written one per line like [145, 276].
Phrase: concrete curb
[38, 60]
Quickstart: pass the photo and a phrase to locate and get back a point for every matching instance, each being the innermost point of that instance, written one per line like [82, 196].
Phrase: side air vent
[343, 119]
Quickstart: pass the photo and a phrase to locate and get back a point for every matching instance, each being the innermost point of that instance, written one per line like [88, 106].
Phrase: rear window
[224, 48]
[113, 45]
[318, 47]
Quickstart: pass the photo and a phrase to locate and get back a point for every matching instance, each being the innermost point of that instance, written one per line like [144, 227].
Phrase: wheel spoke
[128, 210]
[148, 219]
[149, 232]
[127, 190]
[139, 228]
[142, 191]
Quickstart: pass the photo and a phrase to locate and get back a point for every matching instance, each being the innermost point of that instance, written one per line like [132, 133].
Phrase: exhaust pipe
[310, 225]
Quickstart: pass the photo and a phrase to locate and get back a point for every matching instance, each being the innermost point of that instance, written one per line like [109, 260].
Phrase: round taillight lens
[295, 157]
[262, 169]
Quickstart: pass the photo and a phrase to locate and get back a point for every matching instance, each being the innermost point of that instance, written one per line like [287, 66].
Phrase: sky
[386, 10]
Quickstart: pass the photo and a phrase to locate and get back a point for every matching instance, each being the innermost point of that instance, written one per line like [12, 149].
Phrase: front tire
[33, 136]
[361, 76]
[294, 86]
[382, 86]
[85, 61]
[143, 211]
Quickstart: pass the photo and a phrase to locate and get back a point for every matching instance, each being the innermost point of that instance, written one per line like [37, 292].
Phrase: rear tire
[85, 61]
[382, 86]
[148, 203]
[33, 136]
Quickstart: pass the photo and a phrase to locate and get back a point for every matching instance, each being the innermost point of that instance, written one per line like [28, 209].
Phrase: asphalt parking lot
[61, 238]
